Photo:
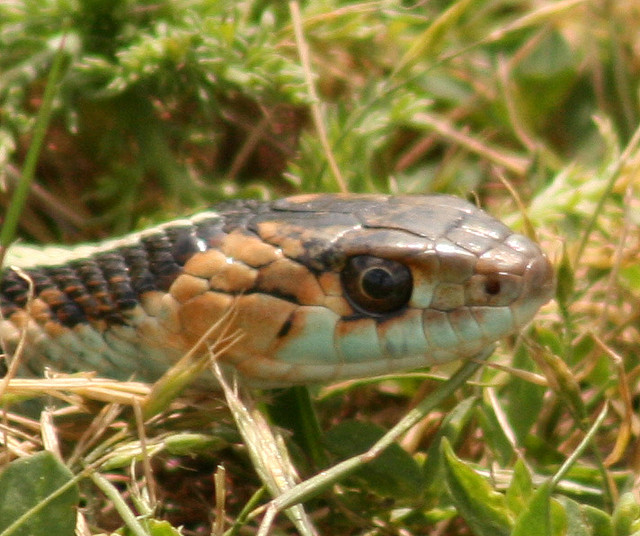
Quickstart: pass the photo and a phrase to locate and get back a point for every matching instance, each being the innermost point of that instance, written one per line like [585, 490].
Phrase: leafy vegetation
[161, 108]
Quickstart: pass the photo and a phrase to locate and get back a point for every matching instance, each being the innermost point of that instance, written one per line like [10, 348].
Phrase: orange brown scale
[284, 274]
[234, 277]
[262, 319]
[288, 278]
[187, 286]
[249, 249]
[197, 314]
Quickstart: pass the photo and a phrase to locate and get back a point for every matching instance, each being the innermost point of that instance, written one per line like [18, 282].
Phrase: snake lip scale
[323, 287]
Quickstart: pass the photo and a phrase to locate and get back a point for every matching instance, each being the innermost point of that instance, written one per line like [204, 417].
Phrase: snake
[321, 287]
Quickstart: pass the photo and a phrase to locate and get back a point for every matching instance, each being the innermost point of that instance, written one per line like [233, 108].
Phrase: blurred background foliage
[167, 106]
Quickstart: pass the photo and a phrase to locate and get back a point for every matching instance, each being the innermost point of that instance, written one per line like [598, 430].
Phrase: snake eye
[376, 286]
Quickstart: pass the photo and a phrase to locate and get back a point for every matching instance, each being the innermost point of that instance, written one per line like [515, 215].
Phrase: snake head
[399, 282]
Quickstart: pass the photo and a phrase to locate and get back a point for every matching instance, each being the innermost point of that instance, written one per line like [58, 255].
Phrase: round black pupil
[377, 283]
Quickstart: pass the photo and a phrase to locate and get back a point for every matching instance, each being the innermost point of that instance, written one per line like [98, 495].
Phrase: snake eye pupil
[376, 286]
[377, 283]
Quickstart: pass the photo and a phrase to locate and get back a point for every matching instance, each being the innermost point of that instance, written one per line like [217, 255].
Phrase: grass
[162, 108]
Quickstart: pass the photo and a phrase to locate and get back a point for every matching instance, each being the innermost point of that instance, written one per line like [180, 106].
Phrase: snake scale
[322, 287]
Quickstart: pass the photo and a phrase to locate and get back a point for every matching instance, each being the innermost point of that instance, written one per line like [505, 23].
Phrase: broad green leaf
[541, 516]
[451, 428]
[154, 528]
[626, 513]
[27, 483]
[520, 489]
[535, 518]
[484, 509]
[494, 434]
[394, 473]
[598, 520]
[293, 410]
[523, 399]
[584, 520]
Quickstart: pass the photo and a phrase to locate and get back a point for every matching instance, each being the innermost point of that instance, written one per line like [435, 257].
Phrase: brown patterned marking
[39, 310]
[234, 277]
[200, 313]
[205, 264]
[187, 286]
[53, 297]
[87, 303]
[156, 336]
[151, 302]
[338, 305]
[20, 319]
[290, 278]
[261, 318]
[249, 249]
[101, 325]
[287, 237]
[169, 314]
[54, 329]
[330, 283]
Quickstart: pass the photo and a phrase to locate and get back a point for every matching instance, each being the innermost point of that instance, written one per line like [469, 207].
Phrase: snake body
[322, 287]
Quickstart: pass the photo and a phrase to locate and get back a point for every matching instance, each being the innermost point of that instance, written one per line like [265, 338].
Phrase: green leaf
[393, 474]
[26, 484]
[484, 509]
[154, 528]
[630, 278]
[566, 281]
[535, 518]
[451, 428]
[581, 522]
[625, 515]
[524, 399]
[541, 516]
[521, 487]
[599, 521]
[293, 410]
[496, 439]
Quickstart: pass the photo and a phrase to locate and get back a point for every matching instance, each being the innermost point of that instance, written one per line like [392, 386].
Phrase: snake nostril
[492, 287]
